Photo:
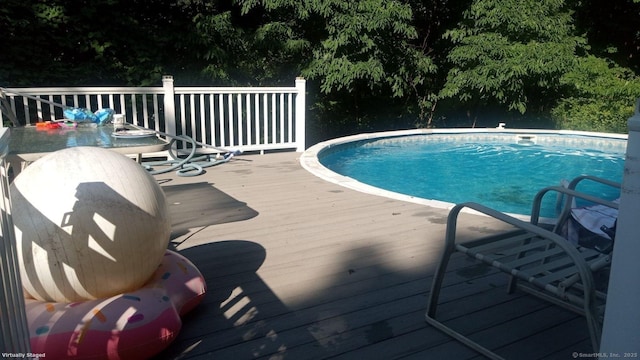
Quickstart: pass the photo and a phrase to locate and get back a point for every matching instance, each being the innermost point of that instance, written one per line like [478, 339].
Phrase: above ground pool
[500, 168]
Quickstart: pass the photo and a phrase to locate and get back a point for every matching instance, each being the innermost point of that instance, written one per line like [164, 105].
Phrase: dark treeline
[370, 64]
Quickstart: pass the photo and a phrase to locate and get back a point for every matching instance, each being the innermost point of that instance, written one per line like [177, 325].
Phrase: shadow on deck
[371, 312]
[200, 204]
[291, 288]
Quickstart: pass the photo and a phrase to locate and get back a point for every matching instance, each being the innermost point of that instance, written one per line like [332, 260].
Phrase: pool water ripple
[497, 172]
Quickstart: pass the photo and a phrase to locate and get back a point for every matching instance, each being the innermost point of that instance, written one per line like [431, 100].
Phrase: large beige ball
[90, 223]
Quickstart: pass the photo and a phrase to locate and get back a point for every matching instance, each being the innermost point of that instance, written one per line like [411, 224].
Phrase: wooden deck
[299, 268]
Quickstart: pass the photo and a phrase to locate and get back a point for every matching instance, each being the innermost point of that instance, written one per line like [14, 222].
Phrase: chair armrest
[566, 210]
[574, 183]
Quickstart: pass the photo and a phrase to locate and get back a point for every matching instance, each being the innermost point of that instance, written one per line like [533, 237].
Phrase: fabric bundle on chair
[592, 226]
[595, 219]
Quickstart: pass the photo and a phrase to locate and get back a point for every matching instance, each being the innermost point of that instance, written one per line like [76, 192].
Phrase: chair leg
[432, 306]
[463, 339]
[513, 285]
[436, 285]
[593, 324]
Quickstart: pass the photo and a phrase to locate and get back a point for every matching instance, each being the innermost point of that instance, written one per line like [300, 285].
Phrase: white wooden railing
[244, 118]
[14, 334]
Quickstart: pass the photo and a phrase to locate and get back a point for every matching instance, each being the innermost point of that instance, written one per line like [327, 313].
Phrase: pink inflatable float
[93, 259]
[133, 325]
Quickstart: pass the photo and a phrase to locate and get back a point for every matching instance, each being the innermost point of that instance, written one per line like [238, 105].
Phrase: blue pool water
[503, 172]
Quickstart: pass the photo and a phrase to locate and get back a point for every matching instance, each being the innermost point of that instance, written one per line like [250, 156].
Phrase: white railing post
[621, 329]
[14, 333]
[169, 105]
[300, 114]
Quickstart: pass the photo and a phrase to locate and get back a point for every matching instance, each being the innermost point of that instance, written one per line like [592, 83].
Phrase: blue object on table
[104, 116]
[80, 115]
[100, 117]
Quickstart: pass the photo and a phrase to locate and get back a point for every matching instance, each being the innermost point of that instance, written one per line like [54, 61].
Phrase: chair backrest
[14, 334]
[6, 111]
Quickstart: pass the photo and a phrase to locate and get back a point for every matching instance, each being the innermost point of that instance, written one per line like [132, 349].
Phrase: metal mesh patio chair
[538, 260]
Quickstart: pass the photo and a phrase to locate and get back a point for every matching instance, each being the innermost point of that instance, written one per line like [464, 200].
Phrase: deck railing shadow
[366, 308]
[242, 318]
[235, 319]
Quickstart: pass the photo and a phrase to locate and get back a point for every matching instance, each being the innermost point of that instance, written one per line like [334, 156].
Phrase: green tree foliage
[510, 52]
[368, 46]
[92, 41]
[245, 47]
[612, 30]
[600, 91]
[365, 59]
[525, 55]
[363, 49]
[600, 96]
[371, 64]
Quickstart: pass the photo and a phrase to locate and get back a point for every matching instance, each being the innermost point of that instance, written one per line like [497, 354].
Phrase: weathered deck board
[299, 268]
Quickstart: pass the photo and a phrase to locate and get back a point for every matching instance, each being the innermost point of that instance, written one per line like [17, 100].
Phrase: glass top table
[29, 143]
